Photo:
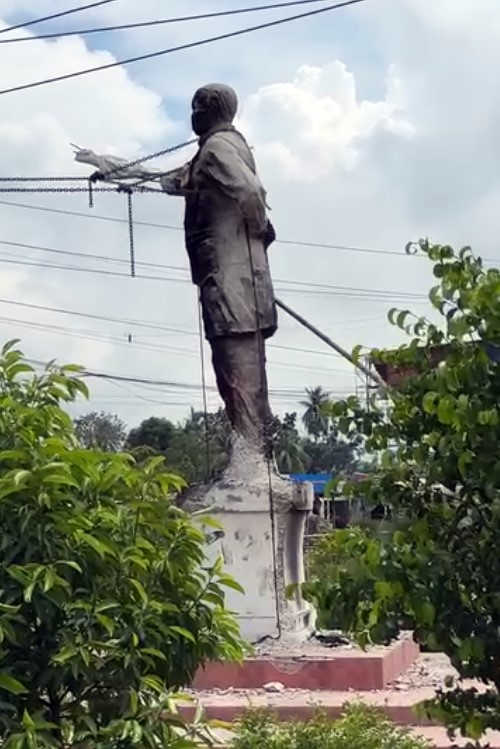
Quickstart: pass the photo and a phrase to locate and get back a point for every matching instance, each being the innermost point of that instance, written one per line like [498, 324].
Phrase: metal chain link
[115, 170]
[43, 179]
[131, 233]
[149, 157]
[56, 189]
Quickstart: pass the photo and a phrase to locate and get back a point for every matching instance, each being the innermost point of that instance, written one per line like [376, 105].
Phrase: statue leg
[239, 365]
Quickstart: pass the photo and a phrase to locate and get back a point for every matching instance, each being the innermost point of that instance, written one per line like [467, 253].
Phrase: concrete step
[229, 705]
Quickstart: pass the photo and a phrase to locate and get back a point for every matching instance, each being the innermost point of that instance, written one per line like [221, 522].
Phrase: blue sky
[371, 126]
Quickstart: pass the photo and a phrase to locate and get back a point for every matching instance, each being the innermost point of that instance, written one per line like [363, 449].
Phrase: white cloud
[315, 125]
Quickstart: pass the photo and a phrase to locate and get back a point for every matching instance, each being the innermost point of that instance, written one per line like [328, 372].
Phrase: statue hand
[174, 182]
[269, 235]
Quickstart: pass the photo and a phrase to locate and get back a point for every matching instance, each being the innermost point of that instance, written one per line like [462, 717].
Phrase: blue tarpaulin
[319, 480]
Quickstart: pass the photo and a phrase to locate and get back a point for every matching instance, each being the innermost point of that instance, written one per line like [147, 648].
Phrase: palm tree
[313, 418]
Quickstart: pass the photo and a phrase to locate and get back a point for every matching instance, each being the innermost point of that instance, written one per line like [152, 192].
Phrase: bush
[105, 604]
[360, 727]
[435, 441]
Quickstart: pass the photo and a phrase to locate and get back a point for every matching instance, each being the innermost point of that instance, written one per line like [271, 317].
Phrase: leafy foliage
[102, 431]
[105, 604]
[184, 446]
[360, 727]
[436, 442]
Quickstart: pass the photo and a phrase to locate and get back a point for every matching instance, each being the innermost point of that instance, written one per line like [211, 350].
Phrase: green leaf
[464, 460]
[184, 633]
[154, 653]
[27, 721]
[228, 582]
[356, 353]
[474, 727]
[429, 402]
[401, 318]
[140, 589]
[17, 369]
[12, 685]
[21, 477]
[95, 543]
[391, 315]
[446, 410]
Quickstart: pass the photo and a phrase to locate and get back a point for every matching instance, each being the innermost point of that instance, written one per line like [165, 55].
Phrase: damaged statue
[227, 234]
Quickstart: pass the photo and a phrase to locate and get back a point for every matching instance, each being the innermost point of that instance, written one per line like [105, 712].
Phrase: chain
[156, 155]
[115, 170]
[118, 188]
[43, 179]
[56, 189]
[131, 233]
[149, 157]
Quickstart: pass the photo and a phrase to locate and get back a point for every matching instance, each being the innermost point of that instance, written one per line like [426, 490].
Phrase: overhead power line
[181, 47]
[171, 227]
[317, 289]
[152, 325]
[161, 266]
[116, 340]
[53, 16]
[160, 21]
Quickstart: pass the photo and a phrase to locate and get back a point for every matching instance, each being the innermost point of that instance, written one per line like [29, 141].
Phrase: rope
[267, 443]
[204, 391]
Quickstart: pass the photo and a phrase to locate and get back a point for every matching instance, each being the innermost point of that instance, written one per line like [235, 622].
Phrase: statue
[228, 233]
[227, 236]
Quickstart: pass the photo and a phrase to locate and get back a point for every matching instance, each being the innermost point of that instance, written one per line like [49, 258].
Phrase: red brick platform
[334, 669]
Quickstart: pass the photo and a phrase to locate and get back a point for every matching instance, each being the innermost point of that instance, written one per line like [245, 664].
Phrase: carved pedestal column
[264, 561]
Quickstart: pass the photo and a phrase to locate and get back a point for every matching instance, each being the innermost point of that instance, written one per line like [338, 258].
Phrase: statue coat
[225, 226]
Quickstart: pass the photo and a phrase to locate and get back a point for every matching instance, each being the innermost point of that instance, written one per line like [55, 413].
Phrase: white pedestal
[265, 561]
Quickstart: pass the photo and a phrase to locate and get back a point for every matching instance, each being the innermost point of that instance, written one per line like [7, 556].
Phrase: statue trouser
[239, 364]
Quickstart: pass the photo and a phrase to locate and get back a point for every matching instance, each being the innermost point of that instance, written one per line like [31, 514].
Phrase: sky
[371, 125]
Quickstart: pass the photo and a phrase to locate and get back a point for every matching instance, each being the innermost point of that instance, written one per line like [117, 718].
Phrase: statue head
[214, 104]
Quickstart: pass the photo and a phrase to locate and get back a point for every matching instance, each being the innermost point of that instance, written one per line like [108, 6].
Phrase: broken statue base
[262, 549]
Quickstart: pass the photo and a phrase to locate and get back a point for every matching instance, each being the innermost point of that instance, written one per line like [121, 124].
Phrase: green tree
[436, 440]
[101, 431]
[288, 445]
[154, 432]
[331, 453]
[106, 600]
[314, 417]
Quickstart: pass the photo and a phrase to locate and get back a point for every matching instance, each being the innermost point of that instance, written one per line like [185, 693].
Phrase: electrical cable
[52, 17]
[148, 324]
[180, 47]
[171, 227]
[352, 292]
[310, 285]
[160, 21]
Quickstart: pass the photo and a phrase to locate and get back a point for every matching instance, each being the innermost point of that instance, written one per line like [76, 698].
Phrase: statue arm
[175, 182]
